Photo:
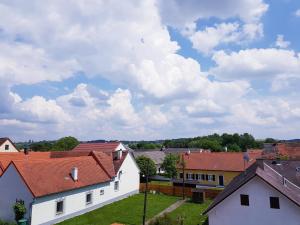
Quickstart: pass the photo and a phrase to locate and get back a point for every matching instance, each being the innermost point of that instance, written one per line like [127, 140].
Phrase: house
[290, 150]
[100, 146]
[6, 145]
[59, 186]
[156, 156]
[213, 169]
[268, 192]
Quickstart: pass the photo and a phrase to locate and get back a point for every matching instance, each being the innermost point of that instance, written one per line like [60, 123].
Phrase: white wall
[12, 187]
[230, 211]
[43, 209]
[11, 147]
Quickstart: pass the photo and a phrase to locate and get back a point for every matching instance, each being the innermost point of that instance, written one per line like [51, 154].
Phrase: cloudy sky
[149, 69]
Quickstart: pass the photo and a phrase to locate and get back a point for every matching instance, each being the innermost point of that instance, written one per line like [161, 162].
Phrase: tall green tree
[142, 162]
[169, 165]
[65, 144]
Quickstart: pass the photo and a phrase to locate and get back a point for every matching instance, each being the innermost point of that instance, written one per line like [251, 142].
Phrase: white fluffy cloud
[280, 42]
[297, 13]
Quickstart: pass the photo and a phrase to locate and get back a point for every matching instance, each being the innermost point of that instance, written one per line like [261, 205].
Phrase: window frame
[102, 191]
[86, 198]
[118, 186]
[277, 202]
[56, 207]
[242, 199]
[6, 147]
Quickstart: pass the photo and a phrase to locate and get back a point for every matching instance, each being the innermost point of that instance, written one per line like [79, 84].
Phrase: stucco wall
[11, 147]
[230, 211]
[43, 209]
[12, 187]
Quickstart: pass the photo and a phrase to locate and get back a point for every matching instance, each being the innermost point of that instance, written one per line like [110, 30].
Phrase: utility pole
[183, 177]
[145, 196]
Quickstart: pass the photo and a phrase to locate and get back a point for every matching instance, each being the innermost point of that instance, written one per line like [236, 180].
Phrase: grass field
[191, 213]
[164, 183]
[127, 211]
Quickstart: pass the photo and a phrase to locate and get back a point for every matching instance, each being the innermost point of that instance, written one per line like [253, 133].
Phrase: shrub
[164, 220]
[20, 210]
[6, 223]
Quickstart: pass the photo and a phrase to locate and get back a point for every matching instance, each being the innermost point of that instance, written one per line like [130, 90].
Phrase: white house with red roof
[6, 145]
[58, 186]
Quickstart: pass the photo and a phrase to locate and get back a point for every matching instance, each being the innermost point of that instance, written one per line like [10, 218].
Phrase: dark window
[196, 176]
[213, 177]
[181, 175]
[6, 147]
[193, 176]
[59, 207]
[274, 203]
[245, 200]
[101, 192]
[206, 177]
[116, 186]
[187, 176]
[202, 176]
[88, 198]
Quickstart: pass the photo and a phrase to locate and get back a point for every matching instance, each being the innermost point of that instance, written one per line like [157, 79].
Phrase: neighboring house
[268, 192]
[6, 145]
[215, 169]
[59, 186]
[156, 156]
[102, 147]
[290, 150]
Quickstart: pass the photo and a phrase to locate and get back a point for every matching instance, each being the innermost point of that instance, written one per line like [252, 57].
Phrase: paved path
[167, 210]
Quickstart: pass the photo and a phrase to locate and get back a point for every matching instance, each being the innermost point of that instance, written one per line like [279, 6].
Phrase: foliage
[142, 162]
[63, 144]
[20, 210]
[233, 147]
[169, 165]
[7, 223]
[145, 145]
[126, 211]
[164, 220]
[270, 140]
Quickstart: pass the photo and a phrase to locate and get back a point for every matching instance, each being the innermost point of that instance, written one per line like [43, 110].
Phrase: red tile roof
[221, 161]
[50, 172]
[103, 147]
[292, 150]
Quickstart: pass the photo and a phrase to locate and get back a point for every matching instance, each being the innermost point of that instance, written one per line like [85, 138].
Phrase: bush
[164, 220]
[6, 223]
[20, 210]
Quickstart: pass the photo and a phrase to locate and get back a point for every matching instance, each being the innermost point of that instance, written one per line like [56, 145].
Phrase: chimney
[26, 150]
[74, 173]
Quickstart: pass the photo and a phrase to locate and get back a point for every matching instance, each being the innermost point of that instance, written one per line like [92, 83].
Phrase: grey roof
[156, 156]
[272, 174]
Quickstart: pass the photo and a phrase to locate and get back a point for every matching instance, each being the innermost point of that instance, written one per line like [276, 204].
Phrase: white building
[70, 184]
[266, 193]
[6, 145]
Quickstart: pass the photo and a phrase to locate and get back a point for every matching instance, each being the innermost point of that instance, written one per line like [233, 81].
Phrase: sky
[151, 69]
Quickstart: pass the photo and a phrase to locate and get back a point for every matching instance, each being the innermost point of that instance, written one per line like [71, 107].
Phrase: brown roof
[220, 161]
[103, 147]
[46, 173]
[272, 176]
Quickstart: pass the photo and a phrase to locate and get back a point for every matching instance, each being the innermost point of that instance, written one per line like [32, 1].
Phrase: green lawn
[128, 211]
[164, 183]
[191, 212]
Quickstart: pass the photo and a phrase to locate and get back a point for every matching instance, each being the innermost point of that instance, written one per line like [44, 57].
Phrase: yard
[191, 213]
[128, 211]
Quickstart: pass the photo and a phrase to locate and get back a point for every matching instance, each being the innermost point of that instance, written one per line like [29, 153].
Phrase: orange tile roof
[292, 150]
[50, 172]
[103, 147]
[220, 161]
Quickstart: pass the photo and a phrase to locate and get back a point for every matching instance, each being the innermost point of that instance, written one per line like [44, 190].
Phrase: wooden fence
[177, 190]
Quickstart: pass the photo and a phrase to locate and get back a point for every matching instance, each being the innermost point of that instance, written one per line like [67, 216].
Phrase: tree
[65, 144]
[169, 165]
[234, 148]
[142, 162]
[20, 210]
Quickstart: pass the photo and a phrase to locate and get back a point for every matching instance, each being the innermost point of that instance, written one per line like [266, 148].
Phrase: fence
[177, 191]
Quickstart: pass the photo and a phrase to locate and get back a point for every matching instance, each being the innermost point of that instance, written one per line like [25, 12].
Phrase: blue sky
[149, 70]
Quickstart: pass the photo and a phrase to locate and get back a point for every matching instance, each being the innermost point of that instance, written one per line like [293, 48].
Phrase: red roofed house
[60, 185]
[103, 147]
[213, 169]
[6, 145]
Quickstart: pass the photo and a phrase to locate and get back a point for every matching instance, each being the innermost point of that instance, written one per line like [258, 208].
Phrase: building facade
[6, 145]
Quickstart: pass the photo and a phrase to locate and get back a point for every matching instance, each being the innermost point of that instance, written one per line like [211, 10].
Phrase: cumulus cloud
[280, 42]
[297, 13]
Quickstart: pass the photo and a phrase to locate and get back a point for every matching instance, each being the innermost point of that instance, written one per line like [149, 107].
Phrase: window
[101, 192]
[274, 203]
[245, 200]
[206, 177]
[202, 176]
[6, 147]
[88, 198]
[190, 176]
[196, 176]
[181, 175]
[59, 207]
[211, 177]
[199, 176]
[116, 186]
[193, 176]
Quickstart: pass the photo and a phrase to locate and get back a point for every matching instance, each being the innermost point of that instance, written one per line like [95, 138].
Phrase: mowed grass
[128, 211]
[191, 213]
